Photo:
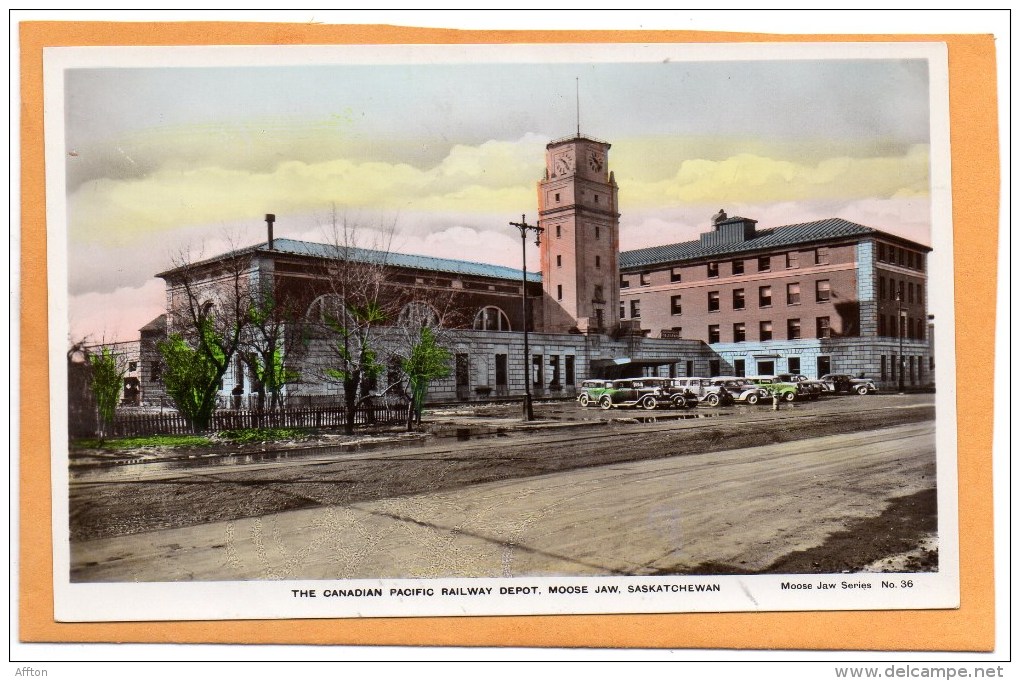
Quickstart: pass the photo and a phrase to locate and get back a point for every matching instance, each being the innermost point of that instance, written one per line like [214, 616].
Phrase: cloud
[115, 316]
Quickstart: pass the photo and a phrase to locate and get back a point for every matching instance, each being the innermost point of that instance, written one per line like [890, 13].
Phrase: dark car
[630, 392]
[673, 392]
[843, 383]
[808, 387]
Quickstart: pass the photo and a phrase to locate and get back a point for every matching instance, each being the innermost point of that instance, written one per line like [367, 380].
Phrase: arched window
[491, 318]
[326, 308]
[418, 314]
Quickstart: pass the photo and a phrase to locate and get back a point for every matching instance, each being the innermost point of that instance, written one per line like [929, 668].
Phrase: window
[713, 301]
[738, 267]
[559, 291]
[536, 370]
[646, 279]
[598, 262]
[881, 288]
[568, 366]
[713, 367]
[624, 283]
[674, 274]
[793, 329]
[823, 365]
[764, 296]
[635, 309]
[623, 310]
[491, 319]
[765, 331]
[822, 290]
[739, 332]
[596, 201]
[557, 201]
[559, 261]
[675, 305]
[764, 263]
[793, 365]
[132, 366]
[713, 269]
[821, 255]
[920, 330]
[738, 299]
[713, 333]
[883, 368]
[892, 365]
[597, 294]
[793, 293]
[822, 328]
[792, 260]
[559, 232]
[597, 232]
[881, 325]
[881, 258]
[738, 367]
[910, 292]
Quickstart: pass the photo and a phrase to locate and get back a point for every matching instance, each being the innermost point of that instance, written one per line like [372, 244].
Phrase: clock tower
[577, 206]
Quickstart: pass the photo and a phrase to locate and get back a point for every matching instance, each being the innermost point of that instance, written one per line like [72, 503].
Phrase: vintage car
[741, 389]
[811, 388]
[843, 383]
[787, 392]
[590, 391]
[630, 392]
[672, 393]
[705, 390]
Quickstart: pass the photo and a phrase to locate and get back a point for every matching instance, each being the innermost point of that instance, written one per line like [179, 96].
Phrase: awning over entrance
[628, 367]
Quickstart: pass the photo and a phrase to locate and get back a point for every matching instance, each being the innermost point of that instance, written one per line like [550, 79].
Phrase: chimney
[270, 219]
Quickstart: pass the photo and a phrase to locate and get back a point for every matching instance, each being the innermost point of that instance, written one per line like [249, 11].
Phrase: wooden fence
[172, 423]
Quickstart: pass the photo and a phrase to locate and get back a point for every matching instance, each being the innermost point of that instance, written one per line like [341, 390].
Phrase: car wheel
[583, 399]
[713, 400]
[862, 390]
[605, 402]
[752, 399]
[648, 402]
[679, 402]
[790, 396]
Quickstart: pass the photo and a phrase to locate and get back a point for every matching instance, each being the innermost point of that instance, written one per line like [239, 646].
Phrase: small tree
[192, 376]
[427, 362]
[264, 348]
[107, 381]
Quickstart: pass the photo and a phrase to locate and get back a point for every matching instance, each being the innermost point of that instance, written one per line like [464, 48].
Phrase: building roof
[392, 258]
[764, 239]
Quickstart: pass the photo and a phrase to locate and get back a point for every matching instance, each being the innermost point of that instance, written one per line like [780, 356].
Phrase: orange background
[975, 177]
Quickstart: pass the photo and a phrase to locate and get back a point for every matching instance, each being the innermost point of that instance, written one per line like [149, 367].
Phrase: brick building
[814, 298]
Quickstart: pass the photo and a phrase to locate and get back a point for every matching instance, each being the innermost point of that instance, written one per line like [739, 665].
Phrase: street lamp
[523, 227]
[900, 314]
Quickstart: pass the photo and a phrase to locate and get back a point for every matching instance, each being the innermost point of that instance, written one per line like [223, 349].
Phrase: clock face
[564, 164]
[595, 161]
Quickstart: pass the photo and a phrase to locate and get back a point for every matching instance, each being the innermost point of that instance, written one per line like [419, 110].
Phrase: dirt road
[743, 508]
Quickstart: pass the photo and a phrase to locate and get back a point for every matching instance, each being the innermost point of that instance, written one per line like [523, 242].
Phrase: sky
[162, 159]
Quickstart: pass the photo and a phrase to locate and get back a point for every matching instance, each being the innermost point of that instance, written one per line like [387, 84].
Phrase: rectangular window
[536, 370]
[764, 263]
[557, 201]
[624, 283]
[713, 269]
[623, 310]
[598, 262]
[597, 231]
[559, 291]
[713, 333]
[823, 365]
[635, 309]
[793, 365]
[559, 232]
[765, 331]
[738, 267]
[132, 366]
[738, 299]
[568, 367]
[559, 261]
[675, 305]
[674, 274]
[713, 367]
[881, 288]
[597, 294]
[822, 328]
[881, 258]
[713, 301]
[738, 367]
[893, 365]
[689, 367]
[764, 296]
[793, 293]
[910, 292]
[501, 372]
[792, 259]
[881, 325]
[821, 255]
[882, 368]
[739, 332]
[822, 291]
[793, 329]
[646, 279]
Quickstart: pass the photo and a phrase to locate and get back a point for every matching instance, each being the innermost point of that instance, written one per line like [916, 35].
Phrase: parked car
[787, 392]
[630, 392]
[590, 392]
[673, 393]
[741, 389]
[811, 388]
[843, 383]
[705, 390]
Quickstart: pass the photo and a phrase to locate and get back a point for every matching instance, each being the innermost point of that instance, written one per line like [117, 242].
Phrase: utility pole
[523, 227]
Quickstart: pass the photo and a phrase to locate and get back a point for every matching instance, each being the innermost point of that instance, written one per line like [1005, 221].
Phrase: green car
[591, 391]
[788, 392]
